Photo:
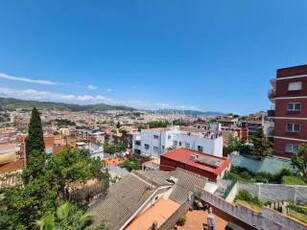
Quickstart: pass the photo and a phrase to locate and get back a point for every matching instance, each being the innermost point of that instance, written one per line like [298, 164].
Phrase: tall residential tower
[289, 96]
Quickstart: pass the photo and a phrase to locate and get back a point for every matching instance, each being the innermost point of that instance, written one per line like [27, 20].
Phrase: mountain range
[13, 104]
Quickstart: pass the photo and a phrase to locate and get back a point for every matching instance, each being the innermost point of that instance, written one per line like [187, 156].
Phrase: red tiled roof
[113, 161]
[11, 166]
[161, 129]
[185, 156]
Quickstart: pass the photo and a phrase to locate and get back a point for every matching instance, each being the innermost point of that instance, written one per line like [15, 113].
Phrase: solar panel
[211, 162]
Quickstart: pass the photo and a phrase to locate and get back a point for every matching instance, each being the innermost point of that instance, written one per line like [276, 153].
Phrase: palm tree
[46, 222]
[67, 216]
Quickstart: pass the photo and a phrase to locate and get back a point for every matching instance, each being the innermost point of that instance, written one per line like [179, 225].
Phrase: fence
[229, 189]
[266, 219]
[170, 223]
[276, 192]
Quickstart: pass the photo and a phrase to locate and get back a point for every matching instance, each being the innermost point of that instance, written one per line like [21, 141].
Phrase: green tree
[178, 122]
[140, 127]
[233, 143]
[64, 122]
[261, 145]
[69, 167]
[68, 216]
[131, 165]
[34, 147]
[300, 159]
[21, 206]
[158, 124]
[111, 149]
[35, 166]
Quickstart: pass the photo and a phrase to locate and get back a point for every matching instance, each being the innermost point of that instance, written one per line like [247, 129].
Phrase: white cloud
[23, 79]
[38, 95]
[109, 90]
[163, 105]
[91, 87]
[31, 94]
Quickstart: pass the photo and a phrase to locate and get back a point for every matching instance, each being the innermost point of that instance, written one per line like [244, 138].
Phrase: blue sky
[209, 55]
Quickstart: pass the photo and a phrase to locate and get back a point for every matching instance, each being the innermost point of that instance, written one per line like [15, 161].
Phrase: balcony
[273, 83]
[271, 94]
[271, 113]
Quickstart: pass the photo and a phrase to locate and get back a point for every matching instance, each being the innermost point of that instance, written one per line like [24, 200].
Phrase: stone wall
[171, 221]
[266, 219]
[276, 192]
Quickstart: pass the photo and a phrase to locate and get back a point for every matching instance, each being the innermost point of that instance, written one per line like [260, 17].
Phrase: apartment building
[154, 142]
[289, 97]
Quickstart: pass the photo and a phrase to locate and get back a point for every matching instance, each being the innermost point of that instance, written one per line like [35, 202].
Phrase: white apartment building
[154, 142]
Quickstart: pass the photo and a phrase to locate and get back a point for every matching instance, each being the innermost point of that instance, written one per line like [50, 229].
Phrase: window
[156, 149]
[169, 137]
[291, 148]
[293, 127]
[187, 145]
[137, 142]
[175, 143]
[293, 86]
[155, 136]
[179, 143]
[146, 146]
[200, 148]
[294, 106]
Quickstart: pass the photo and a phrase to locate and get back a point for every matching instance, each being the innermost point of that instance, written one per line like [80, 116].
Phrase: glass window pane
[295, 86]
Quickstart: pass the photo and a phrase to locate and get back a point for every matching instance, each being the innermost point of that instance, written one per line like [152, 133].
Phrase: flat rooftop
[196, 219]
[159, 213]
[7, 147]
[199, 160]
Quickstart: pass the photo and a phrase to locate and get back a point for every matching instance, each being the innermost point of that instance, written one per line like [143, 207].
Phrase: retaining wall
[276, 192]
[266, 219]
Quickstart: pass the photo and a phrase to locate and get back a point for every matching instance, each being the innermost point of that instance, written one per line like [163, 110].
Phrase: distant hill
[12, 104]
[188, 112]
[213, 113]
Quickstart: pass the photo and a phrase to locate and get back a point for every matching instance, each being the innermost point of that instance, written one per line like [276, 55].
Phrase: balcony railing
[271, 113]
[271, 94]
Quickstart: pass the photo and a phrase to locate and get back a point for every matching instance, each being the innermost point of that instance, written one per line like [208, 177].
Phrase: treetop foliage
[300, 159]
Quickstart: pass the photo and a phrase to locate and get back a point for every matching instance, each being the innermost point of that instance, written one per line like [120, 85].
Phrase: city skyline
[208, 56]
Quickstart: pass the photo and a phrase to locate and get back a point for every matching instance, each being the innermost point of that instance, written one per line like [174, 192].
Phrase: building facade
[154, 142]
[289, 96]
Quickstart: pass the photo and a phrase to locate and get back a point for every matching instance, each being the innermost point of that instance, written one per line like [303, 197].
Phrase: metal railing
[229, 188]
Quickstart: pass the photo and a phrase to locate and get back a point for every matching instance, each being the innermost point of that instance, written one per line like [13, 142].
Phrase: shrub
[181, 221]
[245, 175]
[131, 165]
[293, 180]
[285, 172]
[298, 208]
[244, 195]
[264, 177]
